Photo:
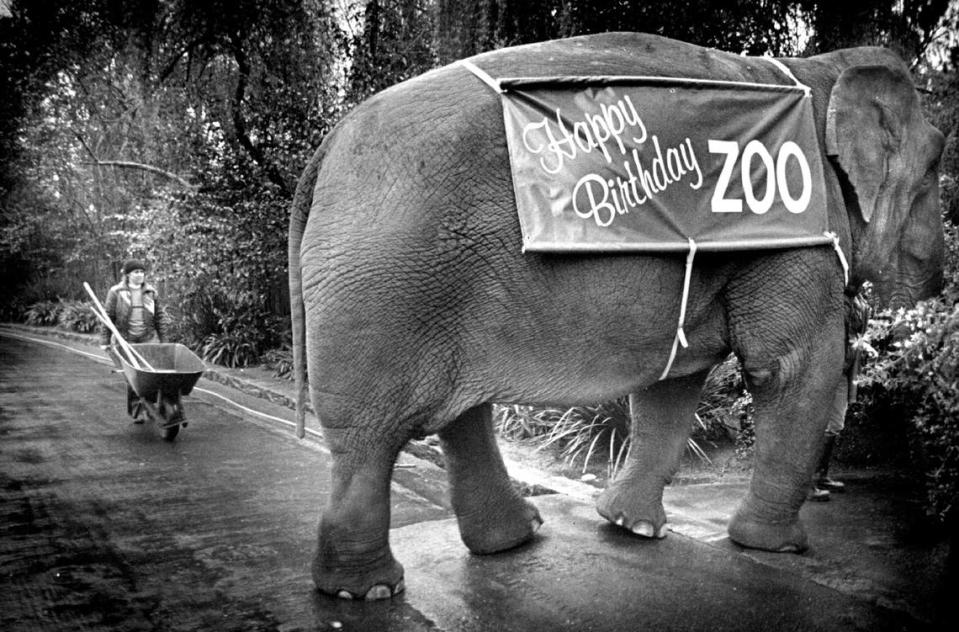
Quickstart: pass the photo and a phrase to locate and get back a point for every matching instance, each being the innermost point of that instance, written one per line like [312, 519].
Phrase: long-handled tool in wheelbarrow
[159, 373]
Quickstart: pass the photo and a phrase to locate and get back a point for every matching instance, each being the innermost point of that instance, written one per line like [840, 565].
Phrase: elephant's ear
[869, 109]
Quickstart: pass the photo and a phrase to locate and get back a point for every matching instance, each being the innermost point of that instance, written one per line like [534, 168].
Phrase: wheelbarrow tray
[176, 369]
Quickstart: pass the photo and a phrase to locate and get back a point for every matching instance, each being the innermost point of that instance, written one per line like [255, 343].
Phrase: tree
[122, 112]
[176, 128]
[909, 26]
[394, 42]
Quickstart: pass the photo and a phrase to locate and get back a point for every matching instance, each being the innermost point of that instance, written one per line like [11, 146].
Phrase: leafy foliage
[78, 316]
[43, 313]
[69, 315]
[280, 362]
[470, 27]
[139, 108]
[913, 378]
[916, 380]
[244, 333]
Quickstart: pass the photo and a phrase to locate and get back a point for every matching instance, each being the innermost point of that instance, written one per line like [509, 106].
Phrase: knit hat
[133, 264]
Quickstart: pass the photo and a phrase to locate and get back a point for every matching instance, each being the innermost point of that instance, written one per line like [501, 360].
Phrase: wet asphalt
[105, 526]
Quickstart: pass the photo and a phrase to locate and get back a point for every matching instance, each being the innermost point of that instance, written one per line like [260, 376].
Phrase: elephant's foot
[500, 530]
[778, 537]
[645, 518]
[379, 580]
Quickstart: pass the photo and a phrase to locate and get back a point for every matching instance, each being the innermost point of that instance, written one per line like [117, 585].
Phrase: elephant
[414, 307]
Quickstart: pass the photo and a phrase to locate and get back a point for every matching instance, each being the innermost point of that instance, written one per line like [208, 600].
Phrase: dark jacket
[119, 305]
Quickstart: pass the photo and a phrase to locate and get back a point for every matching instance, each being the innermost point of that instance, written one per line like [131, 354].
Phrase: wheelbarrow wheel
[170, 432]
[171, 412]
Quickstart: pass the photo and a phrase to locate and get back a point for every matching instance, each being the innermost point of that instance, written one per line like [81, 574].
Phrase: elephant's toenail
[661, 532]
[343, 594]
[535, 524]
[644, 529]
[620, 522]
[379, 592]
[400, 587]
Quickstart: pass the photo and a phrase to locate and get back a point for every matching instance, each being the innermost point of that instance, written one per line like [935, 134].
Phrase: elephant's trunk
[904, 293]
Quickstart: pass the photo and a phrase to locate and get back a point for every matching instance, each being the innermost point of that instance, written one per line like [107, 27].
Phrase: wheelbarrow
[159, 373]
[169, 372]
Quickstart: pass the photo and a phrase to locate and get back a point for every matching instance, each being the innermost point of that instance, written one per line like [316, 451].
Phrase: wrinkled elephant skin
[414, 307]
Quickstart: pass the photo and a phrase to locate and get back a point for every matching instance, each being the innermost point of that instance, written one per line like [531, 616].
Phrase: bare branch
[125, 164]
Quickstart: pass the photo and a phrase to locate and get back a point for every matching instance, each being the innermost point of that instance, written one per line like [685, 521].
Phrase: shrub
[70, 315]
[912, 377]
[78, 316]
[280, 362]
[916, 380]
[43, 313]
[245, 334]
[725, 407]
[233, 349]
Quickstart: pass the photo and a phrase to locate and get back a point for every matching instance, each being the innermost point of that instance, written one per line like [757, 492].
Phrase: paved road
[107, 527]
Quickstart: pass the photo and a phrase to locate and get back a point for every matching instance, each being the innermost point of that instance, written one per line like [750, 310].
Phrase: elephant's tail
[299, 212]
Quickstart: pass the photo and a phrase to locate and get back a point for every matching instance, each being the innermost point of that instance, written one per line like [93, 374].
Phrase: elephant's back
[625, 54]
[418, 177]
[416, 180]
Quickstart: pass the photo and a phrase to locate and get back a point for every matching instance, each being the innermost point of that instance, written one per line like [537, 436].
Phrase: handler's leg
[661, 420]
[822, 484]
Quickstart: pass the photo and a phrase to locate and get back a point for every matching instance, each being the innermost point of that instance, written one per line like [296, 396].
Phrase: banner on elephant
[648, 164]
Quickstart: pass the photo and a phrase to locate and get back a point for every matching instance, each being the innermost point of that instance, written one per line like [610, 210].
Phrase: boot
[817, 495]
[822, 480]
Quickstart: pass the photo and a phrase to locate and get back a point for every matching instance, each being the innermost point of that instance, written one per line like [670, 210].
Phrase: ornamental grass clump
[578, 434]
[582, 435]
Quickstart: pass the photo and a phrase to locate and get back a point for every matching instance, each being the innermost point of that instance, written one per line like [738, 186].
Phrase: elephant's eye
[931, 178]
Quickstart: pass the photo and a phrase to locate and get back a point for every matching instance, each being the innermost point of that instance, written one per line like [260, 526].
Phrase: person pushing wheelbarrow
[134, 307]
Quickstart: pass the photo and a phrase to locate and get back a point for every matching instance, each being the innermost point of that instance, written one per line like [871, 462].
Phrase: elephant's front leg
[793, 400]
[492, 515]
[661, 419]
[353, 558]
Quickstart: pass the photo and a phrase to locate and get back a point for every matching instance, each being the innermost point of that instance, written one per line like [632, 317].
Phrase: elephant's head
[890, 156]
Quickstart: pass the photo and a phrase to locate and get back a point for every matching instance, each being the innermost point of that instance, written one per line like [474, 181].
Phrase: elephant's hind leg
[661, 419]
[492, 515]
[353, 558]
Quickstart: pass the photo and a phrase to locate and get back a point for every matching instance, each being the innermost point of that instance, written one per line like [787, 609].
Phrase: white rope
[782, 67]
[840, 254]
[680, 338]
[485, 78]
